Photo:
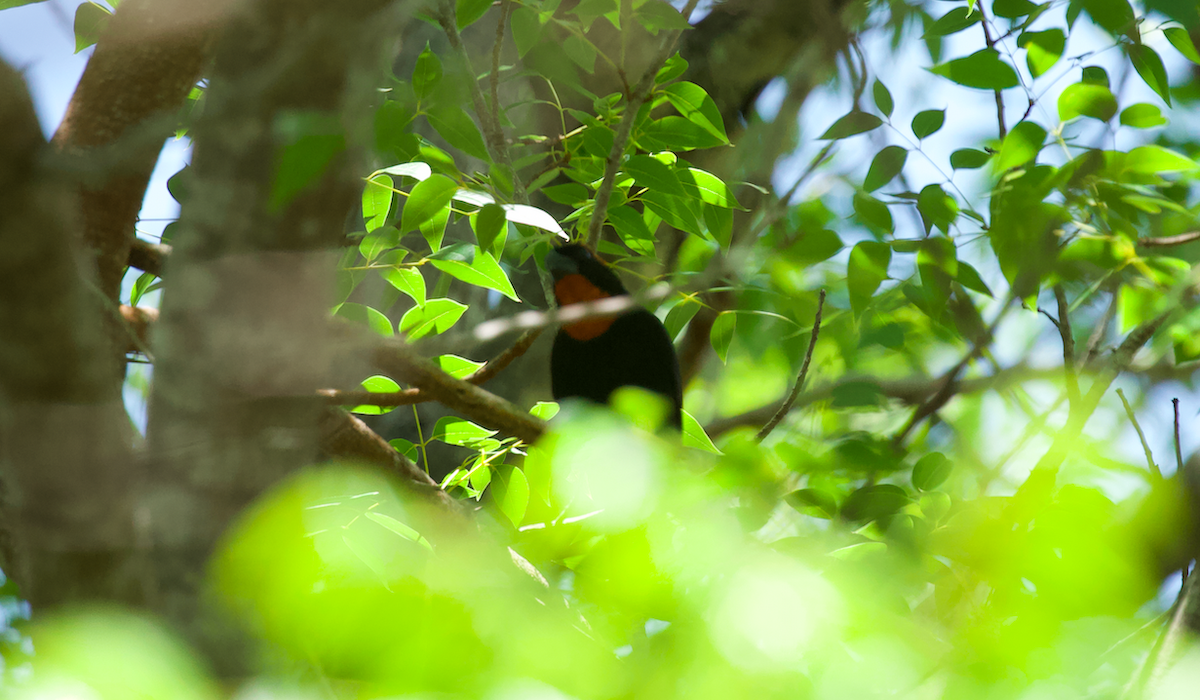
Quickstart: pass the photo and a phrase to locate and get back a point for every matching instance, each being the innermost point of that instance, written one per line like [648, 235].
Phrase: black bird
[591, 359]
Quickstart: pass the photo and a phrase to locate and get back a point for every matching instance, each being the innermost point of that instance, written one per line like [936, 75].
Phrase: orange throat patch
[574, 289]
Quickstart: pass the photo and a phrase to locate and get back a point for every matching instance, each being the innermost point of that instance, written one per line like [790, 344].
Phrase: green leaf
[1083, 100]
[581, 51]
[654, 174]
[399, 528]
[697, 107]
[437, 316]
[851, 124]
[526, 29]
[416, 170]
[1142, 115]
[1042, 49]
[982, 69]
[532, 216]
[813, 502]
[672, 69]
[544, 410]
[427, 74]
[371, 318]
[141, 287]
[675, 133]
[483, 271]
[931, 471]
[968, 159]
[90, 21]
[458, 367]
[1157, 160]
[1095, 75]
[679, 315]
[866, 270]
[454, 125]
[489, 221]
[969, 277]
[1182, 42]
[874, 213]
[816, 246]
[874, 502]
[1012, 9]
[1021, 145]
[1150, 67]
[6, 4]
[453, 430]
[883, 98]
[407, 280]
[954, 21]
[694, 435]
[632, 230]
[658, 14]
[434, 229]
[377, 201]
[1116, 16]
[379, 384]
[722, 333]
[467, 12]
[404, 447]
[886, 165]
[928, 122]
[513, 499]
[426, 199]
[937, 208]
[708, 188]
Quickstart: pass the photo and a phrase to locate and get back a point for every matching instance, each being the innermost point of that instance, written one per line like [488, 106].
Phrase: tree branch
[400, 361]
[1068, 344]
[496, 144]
[407, 397]
[343, 435]
[149, 257]
[791, 399]
[636, 97]
[1164, 241]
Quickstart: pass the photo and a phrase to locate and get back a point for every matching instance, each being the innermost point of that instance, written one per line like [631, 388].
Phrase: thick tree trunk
[241, 347]
[64, 437]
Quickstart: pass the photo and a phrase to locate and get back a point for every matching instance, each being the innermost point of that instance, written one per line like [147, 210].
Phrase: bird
[592, 358]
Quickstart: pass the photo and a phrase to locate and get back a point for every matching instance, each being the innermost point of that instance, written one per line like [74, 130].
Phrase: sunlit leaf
[482, 271]
[407, 280]
[694, 435]
[722, 333]
[425, 200]
[866, 271]
[1021, 145]
[983, 69]
[697, 107]
[1142, 115]
[437, 316]
[851, 124]
[1042, 49]
[886, 165]
[1148, 65]
[1083, 100]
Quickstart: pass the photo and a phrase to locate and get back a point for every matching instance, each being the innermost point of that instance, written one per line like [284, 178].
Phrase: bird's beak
[560, 265]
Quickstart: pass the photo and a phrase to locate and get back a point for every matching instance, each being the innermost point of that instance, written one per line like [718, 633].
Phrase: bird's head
[580, 276]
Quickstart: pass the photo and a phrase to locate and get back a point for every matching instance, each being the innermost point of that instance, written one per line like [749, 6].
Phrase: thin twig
[1164, 241]
[497, 47]
[1141, 437]
[791, 399]
[1100, 331]
[1178, 449]
[493, 135]
[637, 96]
[991, 44]
[1068, 344]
